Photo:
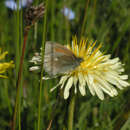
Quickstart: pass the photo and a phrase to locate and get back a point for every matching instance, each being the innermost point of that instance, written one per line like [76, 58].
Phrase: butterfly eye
[80, 59]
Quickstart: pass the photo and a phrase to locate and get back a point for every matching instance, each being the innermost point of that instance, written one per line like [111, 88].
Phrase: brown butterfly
[58, 59]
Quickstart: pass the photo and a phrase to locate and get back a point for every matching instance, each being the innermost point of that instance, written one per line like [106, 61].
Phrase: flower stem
[43, 48]
[71, 113]
[85, 18]
[19, 80]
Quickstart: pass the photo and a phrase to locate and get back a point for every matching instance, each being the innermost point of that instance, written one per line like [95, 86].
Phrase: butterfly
[59, 59]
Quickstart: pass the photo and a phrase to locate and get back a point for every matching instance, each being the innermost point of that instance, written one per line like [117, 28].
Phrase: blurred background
[107, 21]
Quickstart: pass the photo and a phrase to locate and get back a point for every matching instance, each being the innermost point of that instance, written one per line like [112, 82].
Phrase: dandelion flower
[4, 65]
[97, 71]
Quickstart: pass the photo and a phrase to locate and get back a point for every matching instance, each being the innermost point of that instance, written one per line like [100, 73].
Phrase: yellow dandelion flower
[4, 65]
[97, 71]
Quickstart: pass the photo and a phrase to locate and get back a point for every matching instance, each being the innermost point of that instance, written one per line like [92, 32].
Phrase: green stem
[17, 37]
[43, 47]
[19, 110]
[52, 19]
[71, 113]
[85, 18]
[67, 24]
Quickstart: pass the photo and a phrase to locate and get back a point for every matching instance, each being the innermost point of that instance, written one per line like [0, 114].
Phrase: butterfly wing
[58, 59]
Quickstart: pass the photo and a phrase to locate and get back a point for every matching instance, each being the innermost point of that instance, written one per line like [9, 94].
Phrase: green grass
[108, 22]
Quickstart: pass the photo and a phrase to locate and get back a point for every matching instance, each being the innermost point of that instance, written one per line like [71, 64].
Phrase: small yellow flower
[97, 71]
[4, 65]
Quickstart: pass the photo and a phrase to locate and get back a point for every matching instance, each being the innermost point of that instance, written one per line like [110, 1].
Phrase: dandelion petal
[67, 87]
[98, 91]
[82, 84]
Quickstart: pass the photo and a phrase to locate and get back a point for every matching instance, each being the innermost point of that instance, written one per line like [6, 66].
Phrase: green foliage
[107, 22]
